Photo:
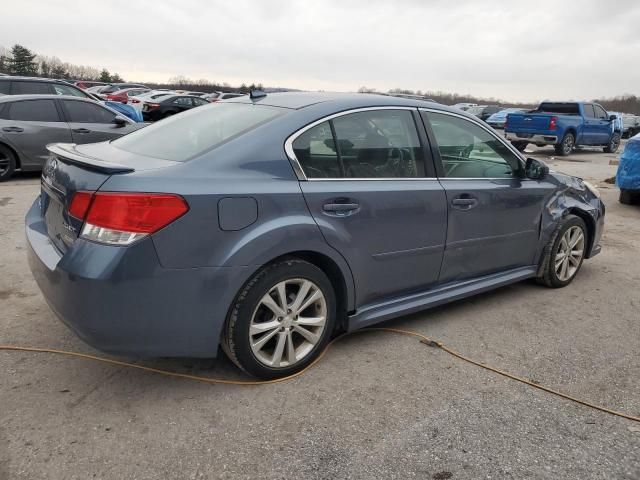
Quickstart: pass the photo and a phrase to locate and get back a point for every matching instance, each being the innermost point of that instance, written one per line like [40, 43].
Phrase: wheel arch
[588, 221]
[15, 153]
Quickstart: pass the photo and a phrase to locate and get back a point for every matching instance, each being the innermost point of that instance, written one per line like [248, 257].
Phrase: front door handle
[340, 209]
[81, 130]
[464, 202]
[13, 129]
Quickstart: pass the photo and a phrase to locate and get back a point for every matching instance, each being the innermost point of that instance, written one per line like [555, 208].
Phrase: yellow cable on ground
[423, 339]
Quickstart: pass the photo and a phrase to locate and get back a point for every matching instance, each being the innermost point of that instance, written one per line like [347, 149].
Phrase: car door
[493, 213]
[29, 125]
[604, 127]
[181, 104]
[367, 187]
[90, 122]
[591, 131]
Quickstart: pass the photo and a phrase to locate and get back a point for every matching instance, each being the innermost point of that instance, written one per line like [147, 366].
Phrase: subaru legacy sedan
[267, 223]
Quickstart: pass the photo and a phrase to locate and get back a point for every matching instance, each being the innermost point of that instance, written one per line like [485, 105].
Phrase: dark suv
[39, 86]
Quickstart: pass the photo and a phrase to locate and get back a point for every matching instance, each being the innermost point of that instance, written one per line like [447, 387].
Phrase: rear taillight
[133, 100]
[553, 123]
[122, 218]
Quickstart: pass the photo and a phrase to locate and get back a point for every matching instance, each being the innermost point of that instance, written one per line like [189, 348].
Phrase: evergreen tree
[45, 69]
[115, 78]
[59, 71]
[105, 76]
[21, 61]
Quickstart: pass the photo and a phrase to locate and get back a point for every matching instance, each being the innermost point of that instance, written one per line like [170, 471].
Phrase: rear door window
[5, 88]
[29, 88]
[316, 152]
[379, 144]
[34, 111]
[68, 90]
[87, 112]
[588, 111]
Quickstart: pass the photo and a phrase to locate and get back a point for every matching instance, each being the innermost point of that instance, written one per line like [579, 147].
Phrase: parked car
[29, 122]
[483, 112]
[114, 87]
[218, 96]
[275, 221]
[628, 175]
[565, 125]
[86, 84]
[124, 109]
[498, 119]
[10, 85]
[464, 106]
[123, 95]
[195, 94]
[138, 101]
[631, 125]
[96, 90]
[166, 106]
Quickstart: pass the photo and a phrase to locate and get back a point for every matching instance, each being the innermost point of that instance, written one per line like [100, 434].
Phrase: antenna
[256, 94]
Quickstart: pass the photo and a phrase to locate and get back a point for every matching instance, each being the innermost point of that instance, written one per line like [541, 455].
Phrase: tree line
[623, 103]
[19, 60]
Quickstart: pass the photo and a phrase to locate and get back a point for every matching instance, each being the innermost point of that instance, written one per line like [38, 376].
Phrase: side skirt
[440, 295]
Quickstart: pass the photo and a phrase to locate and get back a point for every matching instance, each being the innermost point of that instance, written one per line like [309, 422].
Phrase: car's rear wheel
[7, 163]
[626, 196]
[614, 143]
[281, 321]
[565, 253]
[567, 145]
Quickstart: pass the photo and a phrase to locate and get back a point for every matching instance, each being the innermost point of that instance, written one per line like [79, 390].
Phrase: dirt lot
[378, 406]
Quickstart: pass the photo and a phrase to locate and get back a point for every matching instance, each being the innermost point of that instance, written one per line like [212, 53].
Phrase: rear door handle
[340, 209]
[81, 130]
[13, 129]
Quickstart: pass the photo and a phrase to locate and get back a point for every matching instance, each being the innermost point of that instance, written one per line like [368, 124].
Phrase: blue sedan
[267, 223]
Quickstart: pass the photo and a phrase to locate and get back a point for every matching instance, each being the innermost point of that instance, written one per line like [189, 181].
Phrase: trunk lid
[72, 168]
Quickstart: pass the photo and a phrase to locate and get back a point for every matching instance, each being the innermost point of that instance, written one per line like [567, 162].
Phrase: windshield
[185, 136]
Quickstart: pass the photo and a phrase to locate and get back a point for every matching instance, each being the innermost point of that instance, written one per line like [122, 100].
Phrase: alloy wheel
[4, 164]
[570, 253]
[288, 322]
[567, 145]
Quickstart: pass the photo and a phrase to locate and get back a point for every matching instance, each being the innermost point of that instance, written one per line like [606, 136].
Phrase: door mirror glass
[612, 118]
[536, 169]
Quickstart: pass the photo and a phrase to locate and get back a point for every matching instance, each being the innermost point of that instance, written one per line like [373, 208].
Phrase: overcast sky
[512, 50]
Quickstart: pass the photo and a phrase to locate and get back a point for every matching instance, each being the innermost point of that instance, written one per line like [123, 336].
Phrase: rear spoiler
[67, 153]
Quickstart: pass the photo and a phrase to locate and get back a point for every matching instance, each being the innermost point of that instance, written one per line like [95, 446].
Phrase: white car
[138, 101]
[464, 106]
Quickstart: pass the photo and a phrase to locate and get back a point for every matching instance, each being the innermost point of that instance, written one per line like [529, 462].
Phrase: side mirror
[120, 121]
[535, 169]
[612, 118]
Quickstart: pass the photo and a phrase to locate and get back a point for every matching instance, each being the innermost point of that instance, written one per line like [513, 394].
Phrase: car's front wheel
[614, 143]
[281, 321]
[565, 253]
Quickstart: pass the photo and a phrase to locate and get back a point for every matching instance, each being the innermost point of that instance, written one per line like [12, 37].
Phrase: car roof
[338, 101]
[35, 79]
[16, 98]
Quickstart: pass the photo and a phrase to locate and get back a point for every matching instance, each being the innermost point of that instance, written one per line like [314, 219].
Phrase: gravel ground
[378, 406]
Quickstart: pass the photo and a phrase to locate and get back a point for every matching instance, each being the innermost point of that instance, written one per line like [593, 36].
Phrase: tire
[257, 353]
[626, 196]
[557, 277]
[614, 144]
[7, 163]
[520, 146]
[565, 147]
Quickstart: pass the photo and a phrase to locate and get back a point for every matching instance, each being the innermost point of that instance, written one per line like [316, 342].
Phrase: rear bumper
[120, 300]
[534, 138]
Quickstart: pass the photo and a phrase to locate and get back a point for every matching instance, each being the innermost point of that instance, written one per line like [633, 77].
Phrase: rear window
[184, 136]
[560, 108]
